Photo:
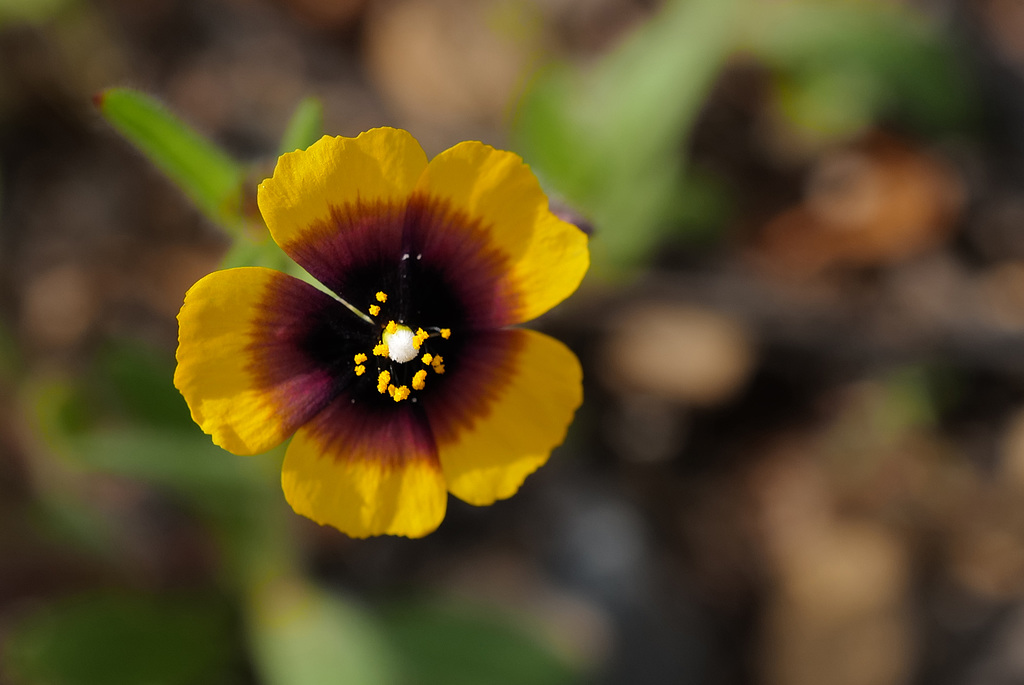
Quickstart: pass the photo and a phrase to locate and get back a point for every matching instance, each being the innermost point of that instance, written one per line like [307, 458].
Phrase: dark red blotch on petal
[484, 368]
[302, 338]
[437, 266]
[391, 435]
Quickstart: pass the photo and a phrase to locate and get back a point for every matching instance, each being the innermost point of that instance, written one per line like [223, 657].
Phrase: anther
[374, 310]
[382, 381]
[419, 380]
[419, 338]
[437, 364]
[359, 358]
[381, 296]
[426, 358]
[446, 333]
[402, 392]
[360, 370]
[381, 350]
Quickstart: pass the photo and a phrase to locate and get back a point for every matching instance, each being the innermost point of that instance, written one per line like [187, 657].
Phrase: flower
[404, 382]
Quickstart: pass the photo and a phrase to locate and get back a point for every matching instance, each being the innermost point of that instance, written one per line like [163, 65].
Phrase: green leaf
[119, 639]
[247, 251]
[610, 137]
[187, 461]
[136, 381]
[207, 175]
[240, 497]
[305, 127]
[57, 409]
[266, 253]
[301, 635]
[31, 11]
[873, 58]
[459, 643]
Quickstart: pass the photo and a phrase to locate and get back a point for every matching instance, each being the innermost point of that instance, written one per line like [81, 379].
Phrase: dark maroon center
[438, 269]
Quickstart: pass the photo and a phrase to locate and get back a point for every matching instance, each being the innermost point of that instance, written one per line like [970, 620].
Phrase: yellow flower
[450, 253]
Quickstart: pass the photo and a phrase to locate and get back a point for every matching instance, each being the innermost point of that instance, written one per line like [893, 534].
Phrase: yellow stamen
[360, 370]
[391, 328]
[391, 390]
[446, 333]
[359, 358]
[419, 379]
[427, 357]
[382, 297]
[420, 336]
[381, 350]
[374, 310]
[382, 381]
[437, 364]
[401, 393]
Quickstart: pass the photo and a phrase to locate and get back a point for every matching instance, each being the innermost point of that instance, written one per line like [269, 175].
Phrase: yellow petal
[381, 165]
[548, 257]
[228, 342]
[488, 457]
[365, 475]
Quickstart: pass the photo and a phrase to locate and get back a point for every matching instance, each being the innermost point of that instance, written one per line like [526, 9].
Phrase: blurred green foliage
[305, 126]
[840, 66]
[455, 642]
[306, 636]
[611, 136]
[122, 639]
[208, 175]
[13, 11]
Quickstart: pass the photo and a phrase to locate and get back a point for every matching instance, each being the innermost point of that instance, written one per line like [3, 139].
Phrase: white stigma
[400, 347]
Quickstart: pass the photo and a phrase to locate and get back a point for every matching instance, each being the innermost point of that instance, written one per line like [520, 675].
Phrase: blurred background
[801, 455]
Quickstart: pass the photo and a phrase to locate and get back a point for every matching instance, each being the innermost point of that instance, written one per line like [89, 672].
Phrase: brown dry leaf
[679, 353]
[1012, 453]
[327, 14]
[839, 614]
[874, 203]
[987, 554]
[1003, 21]
[449, 61]
[841, 617]
[59, 306]
[170, 271]
[1001, 295]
